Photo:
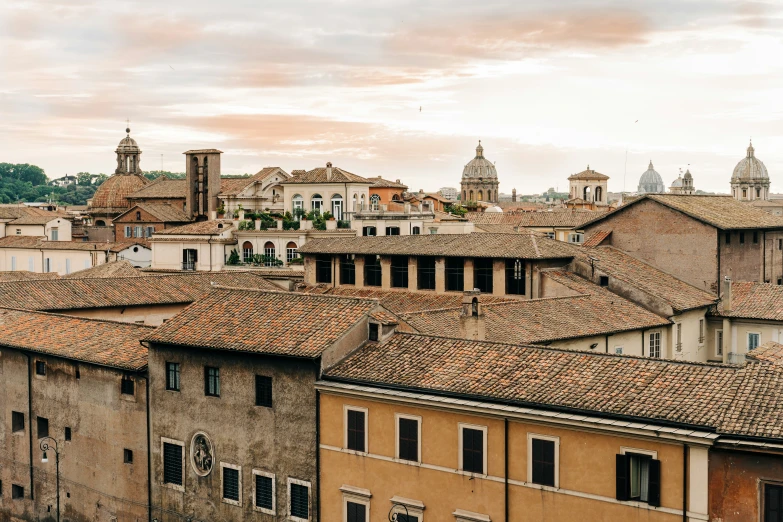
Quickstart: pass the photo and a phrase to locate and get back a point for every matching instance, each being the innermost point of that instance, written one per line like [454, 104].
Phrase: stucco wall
[736, 483]
[152, 315]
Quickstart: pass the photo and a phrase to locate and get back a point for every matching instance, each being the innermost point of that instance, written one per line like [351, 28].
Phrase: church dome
[479, 167]
[651, 182]
[128, 144]
[677, 183]
[112, 193]
[494, 209]
[750, 167]
[688, 174]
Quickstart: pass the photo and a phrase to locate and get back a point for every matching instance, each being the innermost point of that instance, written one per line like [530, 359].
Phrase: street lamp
[49, 444]
[393, 517]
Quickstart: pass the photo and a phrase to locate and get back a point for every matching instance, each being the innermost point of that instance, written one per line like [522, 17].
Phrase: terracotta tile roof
[723, 212]
[203, 151]
[588, 174]
[105, 292]
[277, 323]
[384, 317]
[379, 182]
[104, 343]
[678, 294]
[8, 212]
[683, 393]
[112, 269]
[23, 275]
[502, 229]
[567, 219]
[41, 242]
[756, 410]
[161, 211]
[232, 187]
[753, 301]
[34, 220]
[319, 176]
[769, 352]
[523, 246]
[596, 238]
[200, 228]
[112, 194]
[162, 187]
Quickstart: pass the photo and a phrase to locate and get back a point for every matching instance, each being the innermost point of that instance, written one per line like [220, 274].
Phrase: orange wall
[587, 465]
[386, 194]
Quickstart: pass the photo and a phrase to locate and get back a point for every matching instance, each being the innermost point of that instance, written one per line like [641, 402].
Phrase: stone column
[385, 273]
[413, 274]
[336, 270]
[358, 263]
[498, 277]
[440, 275]
[468, 281]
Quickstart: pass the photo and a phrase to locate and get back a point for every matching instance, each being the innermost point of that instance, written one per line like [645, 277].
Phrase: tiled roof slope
[524, 246]
[588, 174]
[596, 238]
[111, 195]
[112, 269]
[70, 294]
[319, 176]
[723, 212]
[23, 275]
[678, 294]
[643, 388]
[753, 301]
[233, 186]
[770, 352]
[571, 218]
[379, 182]
[200, 228]
[105, 343]
[756, 409]
[41, 242]
[277, 323]
[162, 211]
[162, 187]
[34, 220]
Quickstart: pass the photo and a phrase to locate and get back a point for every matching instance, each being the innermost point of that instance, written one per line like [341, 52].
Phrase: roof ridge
[90, 319]
[308, 294]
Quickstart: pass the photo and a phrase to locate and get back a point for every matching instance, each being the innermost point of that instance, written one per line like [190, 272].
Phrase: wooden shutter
[622, 477]
[654, 492]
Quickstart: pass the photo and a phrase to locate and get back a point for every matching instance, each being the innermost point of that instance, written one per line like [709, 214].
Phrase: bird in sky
[419, 108]
[172, 68]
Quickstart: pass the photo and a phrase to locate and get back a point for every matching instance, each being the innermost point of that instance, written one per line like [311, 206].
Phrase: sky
[396, 88]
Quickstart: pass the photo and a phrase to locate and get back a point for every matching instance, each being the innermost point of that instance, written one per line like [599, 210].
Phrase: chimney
[329, 171]
[471, 320]
[726, 294]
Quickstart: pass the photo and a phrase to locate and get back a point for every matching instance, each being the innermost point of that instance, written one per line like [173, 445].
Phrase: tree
[84, 179]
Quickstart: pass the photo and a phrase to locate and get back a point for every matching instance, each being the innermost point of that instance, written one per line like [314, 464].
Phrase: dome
[677, 183]
[651, 181]
[111, 194]
[127, 144]
[494, 209]
[750, 167]
[479, 167]
[688, 174]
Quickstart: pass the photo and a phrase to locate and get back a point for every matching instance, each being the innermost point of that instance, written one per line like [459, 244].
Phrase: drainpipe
[30, 418]
[149, 438]
[606, 342]
[684, 483]
[505, 463]
[643, 331]
[317, 448]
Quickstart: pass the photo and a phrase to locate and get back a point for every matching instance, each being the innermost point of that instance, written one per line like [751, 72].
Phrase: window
[247, 252]
[17, 491]
[173, 458]
[269, 253]
[290, 252]
[638, 477]
[347, 270]
[604, 280]
[753, 341]
[678, 337]
[550, 235]
[543, 456]
[127, 456]
[392, 231]
[408, 437]
[425, 273]
[128, 231]
[323, 269]
[374, 336]
[655, 345]
[369, 231]
[67, 266]
[67, 434]
[316, 203]
[189, 258]
[773, 503]
[415, 231]
[263, 391]
[780, 244]
[231, 480]
[455, 274]
[744, 193]
[149, 231]
[337, 206]
[473, 445]
[40, 368]
[298, 204]
[355, 512]
[356, 428]
[372, 271]
[18, 231]
[127, 386]
[55, 234]
[138, 232]
[211, 381]
[515, 277]
[43, 427]
[299, 497]
[172, 376]
[576, 237]
[13, 263]
[482, 275]
[701, 331]
[755, 237]
[719, 343]
[433, 230]
[399, 272]
[375, 201]
[47, 265]
[264, 492]
[17, 421]
[742, 238]
[728, 238]
[618, 350]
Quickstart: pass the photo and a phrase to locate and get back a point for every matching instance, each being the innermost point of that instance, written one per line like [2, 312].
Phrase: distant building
[588, 190]
[683, 184]
[750, 180]
[449, 193]
[480, 179]
[651, 182]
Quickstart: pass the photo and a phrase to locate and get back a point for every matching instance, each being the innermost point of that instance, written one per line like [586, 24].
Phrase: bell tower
[202, 174]
[128, 155]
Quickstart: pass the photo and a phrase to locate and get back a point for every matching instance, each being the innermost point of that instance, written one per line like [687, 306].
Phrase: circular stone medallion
[202, 454]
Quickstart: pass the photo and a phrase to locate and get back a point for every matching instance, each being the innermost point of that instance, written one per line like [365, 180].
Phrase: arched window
[297, 203]
[355, 200]
[247, 252]
[337, 206]
[758, 192]
[290, 251]
[138, 216]
[586, 194]
[464, 195]
[480, 195]
[375, 201]
[100, 223]
[471, 195]
[269, 254]
[598, 194]
[316, 203]
[474, 307]
[396, 197]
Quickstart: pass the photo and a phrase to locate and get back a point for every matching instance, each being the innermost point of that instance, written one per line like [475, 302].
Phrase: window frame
[256, 507]
[178, 372]
[763, 485]
[15, 416]
[39, 422]
[653, 454]
[418, 419]
[125, 454]
[758, 342]
[347, 270]
[125, 387]
[461, 427]
[207, 380]
[356, 496]
[719, 345]
[259, 379]
[549, 438]
[346, 409]
[415, 508]
[173, 442]
[702, 324]
[399, 274]
[238, 469]
[657, 337]
[309, 487]
[426, 276]
[484, 274]
[40, 368]
[374, 269]
[15, 489]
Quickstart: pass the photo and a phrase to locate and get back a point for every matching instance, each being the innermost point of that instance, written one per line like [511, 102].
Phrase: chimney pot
[726, 294]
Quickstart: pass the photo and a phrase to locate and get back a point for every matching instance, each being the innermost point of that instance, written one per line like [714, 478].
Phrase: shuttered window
[773, 503]
[264, 492]
[231, 484]
[355, 512]
[300, 501]
[638, 477]
[263, 391]
[356, 430]
[543, 462]
[172, 464]
[472, 450]
[409, 439]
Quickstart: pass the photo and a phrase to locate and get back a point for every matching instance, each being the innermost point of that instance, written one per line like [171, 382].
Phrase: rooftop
[200, 228]
[588, 174]
[751, 300]
[75, 338]
[477, 244]
[23, 275]
[35, 220]
[161, 187]
[275, 323]
[564, 218]
[111, 269]
[37, 242]
[379, 182]
[326, 174]
[232, 187]
[161, 211]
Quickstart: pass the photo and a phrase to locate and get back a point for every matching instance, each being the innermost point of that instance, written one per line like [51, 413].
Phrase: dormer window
[374, 331]
[138, 216]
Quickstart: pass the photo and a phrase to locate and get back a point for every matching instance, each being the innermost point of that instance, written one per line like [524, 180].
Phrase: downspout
[317, 449]
[606, 342]
[209, 246]
[764, 258]
[30, 417]
[149, 439]
[684, 483]
[643, 331]
[718, 278]
[505, 464]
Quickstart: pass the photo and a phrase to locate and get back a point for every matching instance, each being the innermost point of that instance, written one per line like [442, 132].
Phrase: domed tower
[651, 182]
[687, 183]
[480, 179]
[750, 180]
[128, 155]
